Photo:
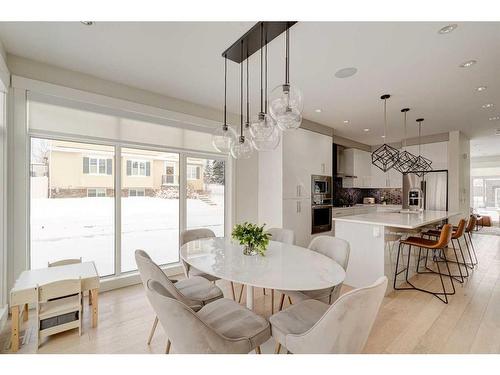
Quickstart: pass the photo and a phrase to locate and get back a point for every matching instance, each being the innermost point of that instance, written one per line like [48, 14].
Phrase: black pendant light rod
[384, 98]
[261, 68]
[247, 124]
[287, 57]
[242, 137]
[252, 38]
[265, 80]
[224, 126]
[419, 120]
[405, 111]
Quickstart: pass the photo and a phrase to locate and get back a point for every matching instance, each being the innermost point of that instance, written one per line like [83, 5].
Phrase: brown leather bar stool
[423, 243]
[471, 224]
[457, 234]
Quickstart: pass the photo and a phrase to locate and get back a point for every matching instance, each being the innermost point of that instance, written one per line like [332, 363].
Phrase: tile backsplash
[349, 196]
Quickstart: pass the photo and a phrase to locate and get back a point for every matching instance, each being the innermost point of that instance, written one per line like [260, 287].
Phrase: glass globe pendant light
[263, 127]
[406, 159]
[242, 148]
[271, 141]
[286, 102]
[224, 137]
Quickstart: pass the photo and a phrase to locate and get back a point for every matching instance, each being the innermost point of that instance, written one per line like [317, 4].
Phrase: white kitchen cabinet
[389, 179]
[305, 153]
[357, 163]
[297, 217]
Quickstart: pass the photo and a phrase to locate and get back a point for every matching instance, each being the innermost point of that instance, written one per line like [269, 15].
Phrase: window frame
[140, 162]
[119, 175]
[197, 172]
[98, 160]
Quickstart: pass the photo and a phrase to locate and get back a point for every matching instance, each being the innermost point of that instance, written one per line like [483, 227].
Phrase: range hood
[339, 162]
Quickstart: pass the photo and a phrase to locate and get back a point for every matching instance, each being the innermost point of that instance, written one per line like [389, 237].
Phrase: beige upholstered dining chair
[334, 248]
[198, 234]
[282, 235]
[223, 326]
[64, 262]
[194, 292]
[312, 326]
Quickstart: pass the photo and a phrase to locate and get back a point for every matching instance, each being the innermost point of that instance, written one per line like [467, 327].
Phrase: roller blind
[59, 115]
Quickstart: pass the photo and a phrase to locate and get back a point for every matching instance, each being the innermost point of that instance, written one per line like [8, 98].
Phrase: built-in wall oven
[321, 218]
[321, 203]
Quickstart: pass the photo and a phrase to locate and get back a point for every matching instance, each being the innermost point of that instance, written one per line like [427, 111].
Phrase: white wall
[246, 192]
[271, 187]
[459, 173]
[4, 84]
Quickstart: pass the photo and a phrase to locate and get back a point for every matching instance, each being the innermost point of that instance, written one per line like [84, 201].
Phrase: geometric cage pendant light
[422, 165]
[385, 157]
[406, 160]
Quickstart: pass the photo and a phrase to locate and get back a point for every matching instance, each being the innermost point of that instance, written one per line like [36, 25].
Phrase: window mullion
[118, 210]
[182, 194]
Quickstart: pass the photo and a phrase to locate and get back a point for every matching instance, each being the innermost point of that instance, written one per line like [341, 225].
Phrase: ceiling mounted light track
[406, 159]
[385, 157]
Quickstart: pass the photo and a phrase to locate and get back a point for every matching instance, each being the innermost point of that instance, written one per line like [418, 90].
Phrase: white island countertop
[397, 219]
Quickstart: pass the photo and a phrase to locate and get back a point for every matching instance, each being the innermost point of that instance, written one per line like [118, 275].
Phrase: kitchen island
[370, 257]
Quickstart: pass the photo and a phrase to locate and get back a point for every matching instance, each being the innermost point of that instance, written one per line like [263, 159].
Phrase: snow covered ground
[84, 227]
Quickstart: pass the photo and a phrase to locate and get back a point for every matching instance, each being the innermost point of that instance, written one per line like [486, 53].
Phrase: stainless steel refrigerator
[434, 185]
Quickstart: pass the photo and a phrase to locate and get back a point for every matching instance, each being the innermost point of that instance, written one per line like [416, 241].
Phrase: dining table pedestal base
[249, 297]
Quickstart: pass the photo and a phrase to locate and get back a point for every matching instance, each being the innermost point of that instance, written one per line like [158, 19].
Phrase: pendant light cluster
[387, 157]
[282, 112]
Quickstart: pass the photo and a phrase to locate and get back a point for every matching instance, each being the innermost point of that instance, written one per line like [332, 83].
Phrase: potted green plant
[253, 237]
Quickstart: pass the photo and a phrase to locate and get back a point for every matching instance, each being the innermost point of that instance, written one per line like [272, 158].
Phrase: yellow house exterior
[81, 170]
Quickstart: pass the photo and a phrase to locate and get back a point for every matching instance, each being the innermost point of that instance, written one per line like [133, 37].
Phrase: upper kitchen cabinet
[305, 153]
[356, 168]
[437, 152]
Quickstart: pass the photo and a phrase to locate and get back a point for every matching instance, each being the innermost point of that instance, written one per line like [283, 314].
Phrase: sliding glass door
[72, 203]
[76, 212]
[149, 206]
[205, 181]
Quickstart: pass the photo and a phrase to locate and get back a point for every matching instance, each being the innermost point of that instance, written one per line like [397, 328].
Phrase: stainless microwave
[321, 185]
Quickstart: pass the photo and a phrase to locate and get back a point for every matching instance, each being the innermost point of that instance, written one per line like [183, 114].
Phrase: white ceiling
[410, 61]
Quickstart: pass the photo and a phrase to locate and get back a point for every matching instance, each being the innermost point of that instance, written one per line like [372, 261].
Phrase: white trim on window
[97, 166]
[138, 167]
[193, 172]
[174, 175]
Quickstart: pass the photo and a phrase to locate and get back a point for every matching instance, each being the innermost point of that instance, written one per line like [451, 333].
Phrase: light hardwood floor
[408, 322]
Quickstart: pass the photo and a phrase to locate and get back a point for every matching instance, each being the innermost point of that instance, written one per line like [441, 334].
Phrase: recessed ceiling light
[481, 88]
[448, 29]
[487, 105]
[495, 118]
[317, 110]
[366, 130]
[467, 64]
[382, 136]
[346, 72]
[346, 121]
[87, 23]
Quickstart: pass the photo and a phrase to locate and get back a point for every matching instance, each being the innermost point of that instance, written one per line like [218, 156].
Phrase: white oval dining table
[284, 266]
